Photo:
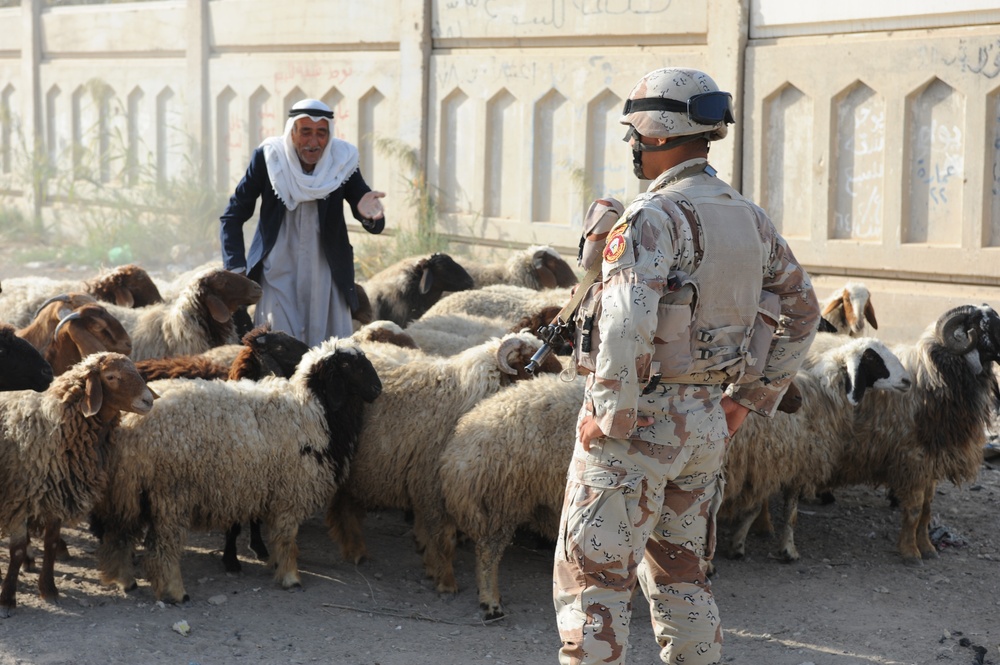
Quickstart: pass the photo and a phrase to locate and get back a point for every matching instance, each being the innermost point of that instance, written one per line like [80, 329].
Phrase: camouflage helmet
[674, 101]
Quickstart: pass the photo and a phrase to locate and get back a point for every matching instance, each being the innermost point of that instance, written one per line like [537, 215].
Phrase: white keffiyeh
[291, 184]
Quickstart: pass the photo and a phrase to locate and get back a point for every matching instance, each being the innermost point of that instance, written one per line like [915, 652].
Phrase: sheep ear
[546, 277]
[123, 297]
[93, 394]
[870, 314]
[217, 309]
[426, 281]
[834, 304]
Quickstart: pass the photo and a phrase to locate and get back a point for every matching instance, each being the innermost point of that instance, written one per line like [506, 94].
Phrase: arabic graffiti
[454, 17]
[994, 237]
[861, 166]
[937, 166]
[980, 59]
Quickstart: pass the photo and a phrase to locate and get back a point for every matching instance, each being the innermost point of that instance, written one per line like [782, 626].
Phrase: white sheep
[496, 476]
[797, 453]
[54, 448]
[199, 319]
[536, 267]
[504, 466]
[404, 432]
[448, 334]
[846, 311]
[500, 301]
[125, 286]
[217, 453]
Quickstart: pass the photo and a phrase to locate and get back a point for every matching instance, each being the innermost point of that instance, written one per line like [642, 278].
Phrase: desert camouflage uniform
[640, 504]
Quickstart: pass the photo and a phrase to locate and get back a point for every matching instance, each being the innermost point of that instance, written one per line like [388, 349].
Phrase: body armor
[715, 324]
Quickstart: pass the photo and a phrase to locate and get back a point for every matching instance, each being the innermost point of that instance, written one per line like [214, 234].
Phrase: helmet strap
[639, 147]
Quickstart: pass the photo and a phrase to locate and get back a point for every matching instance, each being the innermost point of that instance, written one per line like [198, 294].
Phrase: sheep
[496, 476]
[537, 267]
[504, 465]
[384, 332]
[448, 334]
[200, 318]
[86, 330]
[396, 468]
[364, 314]
[797, 453]
[408, 288]
[499, 301]
[54, 446]
[38, 332]
[846, 311]
[22, 367]
[936, 431]
[263, 352]
[218, 453]
[125, 286]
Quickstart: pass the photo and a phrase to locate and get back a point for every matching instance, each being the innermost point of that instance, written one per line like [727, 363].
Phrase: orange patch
[616, 245]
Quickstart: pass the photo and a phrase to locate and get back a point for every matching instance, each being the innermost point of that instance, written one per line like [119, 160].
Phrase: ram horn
[954, 331]
[63, 297]
[69, 317]
[506, 347]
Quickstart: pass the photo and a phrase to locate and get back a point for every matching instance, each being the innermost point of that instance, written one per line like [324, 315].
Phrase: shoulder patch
[616, 244]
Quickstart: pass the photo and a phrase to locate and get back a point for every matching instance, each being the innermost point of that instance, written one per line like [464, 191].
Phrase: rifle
[562, 325]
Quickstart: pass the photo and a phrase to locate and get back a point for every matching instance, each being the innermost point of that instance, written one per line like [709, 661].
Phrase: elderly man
[300, 253]
[702, 315]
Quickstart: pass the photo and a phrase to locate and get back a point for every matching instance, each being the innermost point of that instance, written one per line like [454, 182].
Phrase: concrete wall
[873, 139]
[870, 131]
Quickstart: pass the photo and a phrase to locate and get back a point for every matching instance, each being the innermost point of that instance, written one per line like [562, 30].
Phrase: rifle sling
[581, 290]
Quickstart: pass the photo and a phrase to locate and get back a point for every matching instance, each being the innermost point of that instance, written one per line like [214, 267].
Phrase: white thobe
[299, 296]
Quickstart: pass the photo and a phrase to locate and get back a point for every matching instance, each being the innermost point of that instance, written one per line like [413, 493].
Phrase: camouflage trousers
[637, 511]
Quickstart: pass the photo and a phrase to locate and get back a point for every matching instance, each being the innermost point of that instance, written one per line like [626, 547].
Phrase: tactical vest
[715, 325]
[720, 308]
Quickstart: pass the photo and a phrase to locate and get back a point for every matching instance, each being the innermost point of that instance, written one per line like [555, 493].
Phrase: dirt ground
[849, 600]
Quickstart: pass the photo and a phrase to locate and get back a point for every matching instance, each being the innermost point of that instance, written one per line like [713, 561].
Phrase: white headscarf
[291, 184]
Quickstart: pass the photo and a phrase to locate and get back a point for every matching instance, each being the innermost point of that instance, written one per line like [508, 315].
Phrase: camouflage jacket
[662, 237]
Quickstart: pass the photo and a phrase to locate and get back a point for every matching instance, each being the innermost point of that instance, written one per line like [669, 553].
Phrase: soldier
[701, 315]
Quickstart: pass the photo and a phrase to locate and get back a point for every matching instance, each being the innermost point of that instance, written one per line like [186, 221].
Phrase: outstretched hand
[369, 205]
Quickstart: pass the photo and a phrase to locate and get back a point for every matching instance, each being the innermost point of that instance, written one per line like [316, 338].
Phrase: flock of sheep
[147, 410]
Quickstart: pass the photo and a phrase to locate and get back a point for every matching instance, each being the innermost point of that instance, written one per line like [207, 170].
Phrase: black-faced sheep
[263, 353]
[216, 453]
[408, 288]
[22, 367]
[396, 467]
[125, 286]
[537, 267]
[54, 447]
[797, 453]
[936, 431]
[199, 319]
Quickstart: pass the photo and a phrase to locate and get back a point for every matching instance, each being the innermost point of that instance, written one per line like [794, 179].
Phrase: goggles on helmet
[707, 108]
